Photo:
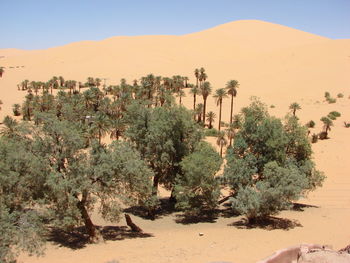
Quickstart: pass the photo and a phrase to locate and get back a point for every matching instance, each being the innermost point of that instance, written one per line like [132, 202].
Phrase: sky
[41, 24]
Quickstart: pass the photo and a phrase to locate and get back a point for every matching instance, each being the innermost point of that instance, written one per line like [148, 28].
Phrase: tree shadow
[301, 207]
[202, 217]
[268, 223]
[166, 207]
[78, 238]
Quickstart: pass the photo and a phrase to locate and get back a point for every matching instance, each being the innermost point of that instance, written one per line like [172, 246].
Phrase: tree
[220, 94]
[76, 179]
[199, 112]
[117, 128]
[163, 136]
[21, 228]
[232, 127]
[210, 118]
[197, 190]
[100, 126]
[10, 128]
[269, 164]
[294, 107]
[205, 92]
[327, 123]
[221, 141]
[16, 108]
[231, 87]
[195, 91]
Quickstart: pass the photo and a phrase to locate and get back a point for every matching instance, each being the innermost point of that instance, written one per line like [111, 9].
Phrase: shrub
[197, 189]
[269, 164]
[314, 138]
[331, 100]
[327, 95]
[333, 115]
[16, 108]
[340, 95]
[211, 132]
[310, 124]
[347, 124]
[272, 106]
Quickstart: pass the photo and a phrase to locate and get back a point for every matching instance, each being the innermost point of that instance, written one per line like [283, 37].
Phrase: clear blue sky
[38, 24]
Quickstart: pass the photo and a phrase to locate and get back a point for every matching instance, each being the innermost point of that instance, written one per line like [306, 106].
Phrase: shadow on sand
[78, 238]
[269, 223]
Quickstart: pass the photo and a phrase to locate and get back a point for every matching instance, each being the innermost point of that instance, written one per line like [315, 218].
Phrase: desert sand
[276, 63]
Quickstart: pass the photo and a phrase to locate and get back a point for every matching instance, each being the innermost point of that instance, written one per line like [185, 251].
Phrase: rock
[201, 234]
[324, 256]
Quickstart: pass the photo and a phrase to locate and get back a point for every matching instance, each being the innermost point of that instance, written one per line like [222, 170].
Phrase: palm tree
[117, 128]
[220, 94]
[294, 107]
[327, 123]
[16, 108]
[210, 118]
[221, 141]
[196, 74]
[100, 126]
[232, 127]
[194, 90]
[10, 128]
[231, 87]
[1, 71]
[202, 76]
[199, 112]
[205, 91]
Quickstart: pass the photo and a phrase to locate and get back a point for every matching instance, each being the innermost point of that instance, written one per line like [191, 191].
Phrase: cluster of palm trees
[105, 104]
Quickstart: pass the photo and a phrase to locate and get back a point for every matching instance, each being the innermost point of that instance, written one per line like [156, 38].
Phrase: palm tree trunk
[220, 150]
[220, 115]
[204, 108]
[231, 109]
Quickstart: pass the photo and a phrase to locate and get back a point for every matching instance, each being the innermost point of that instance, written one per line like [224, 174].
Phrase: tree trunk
[155, 185]
[220, 115]
[132, 225]
[231, 109]
[94, 236]
[204, 108]
[220, 150]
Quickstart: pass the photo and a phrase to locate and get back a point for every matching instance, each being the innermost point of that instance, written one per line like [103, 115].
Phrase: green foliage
[16, 108]
[329, 99]
[163, 136]
[269, 164]
[310, 124]
[20, 186]
[294, 107]
[327, 95]
[333, 115]
[197, 189]
[340, 95]
[211, 132]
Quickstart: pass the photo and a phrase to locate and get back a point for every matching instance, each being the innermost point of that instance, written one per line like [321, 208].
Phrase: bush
[333, 115]
[211, 132]
[310, 124]
[16, 108]
[269, 164]
[340, 95]
[331, 100]
[347, 124]
[314, 138]
[327, 95]
[197, 189]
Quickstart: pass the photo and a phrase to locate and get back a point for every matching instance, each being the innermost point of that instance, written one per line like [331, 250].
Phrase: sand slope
[274, 62]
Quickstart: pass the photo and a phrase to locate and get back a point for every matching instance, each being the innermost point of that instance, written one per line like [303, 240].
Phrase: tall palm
[220, 94]
[221, 141]
[294, 107]
[202, 76]
[205, 92]
[196, 74]
[194, 90]
[210, 118]
[231, 87]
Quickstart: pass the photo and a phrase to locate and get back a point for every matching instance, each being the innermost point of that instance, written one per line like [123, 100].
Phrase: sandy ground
[276, 63]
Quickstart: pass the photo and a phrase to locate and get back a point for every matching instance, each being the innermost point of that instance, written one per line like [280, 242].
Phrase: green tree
[269, 164]
[197, 190]
[16, 108]
[163, 136]
[21, 229]
[221, 141]
[327, 124]
[100, 126]
[210, 118]
[231, 87]
[205, 92]
[220, 94]
[75, 179]
[294, 107]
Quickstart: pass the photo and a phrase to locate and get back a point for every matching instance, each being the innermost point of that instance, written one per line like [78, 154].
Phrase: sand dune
[278, 64]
